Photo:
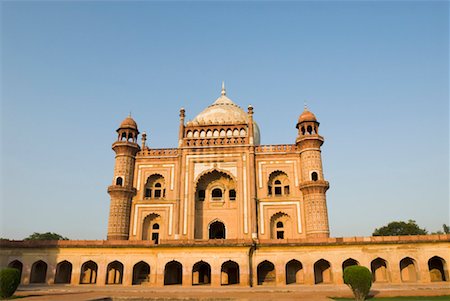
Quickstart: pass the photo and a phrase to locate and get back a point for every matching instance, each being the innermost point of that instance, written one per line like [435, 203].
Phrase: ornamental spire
[224, 92]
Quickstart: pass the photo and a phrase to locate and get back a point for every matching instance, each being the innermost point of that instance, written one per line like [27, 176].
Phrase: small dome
[128, 123]
[307, 116]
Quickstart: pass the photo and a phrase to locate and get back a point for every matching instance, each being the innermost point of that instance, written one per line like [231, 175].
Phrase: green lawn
[437, 298]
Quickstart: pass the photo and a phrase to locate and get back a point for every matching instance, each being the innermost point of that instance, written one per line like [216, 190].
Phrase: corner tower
[122, 190]
[313, 186]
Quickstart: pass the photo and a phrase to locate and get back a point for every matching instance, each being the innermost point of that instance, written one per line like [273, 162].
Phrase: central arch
[63, 272]
[141, 273]
[217, 230]
[38, 272]
[322, 272]
[114, 273]
[88, 273]
[294, 272]
[379, 270]
[173, 273]
[229, 273]
[266, 273]
[408, 271]
[201, 273]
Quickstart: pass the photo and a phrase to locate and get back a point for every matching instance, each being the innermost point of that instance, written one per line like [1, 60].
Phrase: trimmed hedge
[9, 281]
[359, 279]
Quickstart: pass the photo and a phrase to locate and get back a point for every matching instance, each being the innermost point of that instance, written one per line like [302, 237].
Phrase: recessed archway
[201, 273]
[173, 273]
[349, 262]
[141, 273]
[217, 230]
[114, 273]
[16, 264]
[63, 272]
[294, 272]
[266, 273]
[322, 272]
[408, 270]
[437, 268]
[38, 272]
[229, 273]
[88, 272]
[379, 270]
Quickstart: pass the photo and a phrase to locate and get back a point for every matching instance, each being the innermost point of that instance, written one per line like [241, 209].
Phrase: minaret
[122, 190]
[313, 186]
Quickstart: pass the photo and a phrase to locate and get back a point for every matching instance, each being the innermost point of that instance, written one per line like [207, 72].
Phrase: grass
[415, 298]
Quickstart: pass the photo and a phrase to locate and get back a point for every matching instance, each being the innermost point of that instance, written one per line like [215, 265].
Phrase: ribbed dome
[307, 116]
[223, 110]
[128, 123]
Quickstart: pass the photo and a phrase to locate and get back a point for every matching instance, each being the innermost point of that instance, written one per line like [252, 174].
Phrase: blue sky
[376, 74]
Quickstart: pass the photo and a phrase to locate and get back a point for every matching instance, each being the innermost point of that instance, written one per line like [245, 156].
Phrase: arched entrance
[88, 273]
[201, 273]
[349, 262]
[151, 228]
[379, 270]
[229, 273]
[173, 273]
[16, 264]
[294, 272]
[437, 268]
[141, 273]
[408, 270]
[38, 272]
[266, 273]
[114, 273]
[322, 272]
[217, 230]
[63, 272]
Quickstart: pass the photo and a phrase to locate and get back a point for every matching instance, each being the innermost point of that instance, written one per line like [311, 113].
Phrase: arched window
[278, 184]
[229, 273]
[201, 195]
[119, 181]
[216, 193]
[279, 224]
[217, 230]
[114, 273]
[173, 273]
[266, 273]
[88, 273]
[63, 272]
[141, 273]
[314, 176]
[322, 272]
[151, 228]
[155, 187]
[201, 273]
[232, 195]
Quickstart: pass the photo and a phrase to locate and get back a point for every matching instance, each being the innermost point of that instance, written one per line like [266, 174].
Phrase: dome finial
[306, 106]
[224, 92]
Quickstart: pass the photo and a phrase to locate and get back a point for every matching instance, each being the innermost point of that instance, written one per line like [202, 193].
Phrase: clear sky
[376, 74]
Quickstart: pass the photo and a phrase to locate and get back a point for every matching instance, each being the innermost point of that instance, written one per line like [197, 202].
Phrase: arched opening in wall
[438, 269]
[280, 226]
[38, 272]
[294, 272]
[119, 181]
[63, 272]
[151, 228]
[141, 273]
[379, 270]
[173, 273]
[232, 195]
[217, 230]
[309, 129]
[229, 273]
[322, 272]
[266, 273]
[88, 272]
[114, 273]
[349, 262]
[155, 187]
[16, 264]
[211, 191]
[408, 270]
[278, 184]
[201, 273]
[314, 176]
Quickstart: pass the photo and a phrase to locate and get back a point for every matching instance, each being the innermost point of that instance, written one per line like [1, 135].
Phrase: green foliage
[400, 228]
[46, 236]
[359, 279]
[9, 281]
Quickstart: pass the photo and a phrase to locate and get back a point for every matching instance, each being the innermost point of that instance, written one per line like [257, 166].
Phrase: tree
[359, 279]
[445, 230]
[46, 236]
[9, 281]
[400, 228]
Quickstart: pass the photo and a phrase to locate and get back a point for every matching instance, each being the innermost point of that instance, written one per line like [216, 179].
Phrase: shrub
[9, 281]
[359, 279]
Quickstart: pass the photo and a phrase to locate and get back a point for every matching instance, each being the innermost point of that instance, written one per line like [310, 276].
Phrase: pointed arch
[63, 272]
[437, 268]
[201, 273]
[217, 229]
[114, 272]
[278, 184]
[18, 265]
[141, 273]
[379, 269]
[229, 273]
[408, 270]
[322, 272]
[266, 273]
[173, 273]
[88, 273]
[280, 226]
[349, 262]
[294, 272]
[152, 228]
[38, 272]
